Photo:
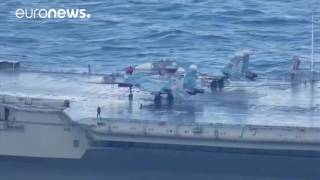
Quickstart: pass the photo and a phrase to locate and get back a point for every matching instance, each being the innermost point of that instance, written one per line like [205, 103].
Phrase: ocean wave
[111, 19]
[273, 21]
[17, 39]
[172, 33]
[118, 48]
[242, 12]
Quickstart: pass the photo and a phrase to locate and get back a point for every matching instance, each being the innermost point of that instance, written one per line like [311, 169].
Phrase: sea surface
[128, 32]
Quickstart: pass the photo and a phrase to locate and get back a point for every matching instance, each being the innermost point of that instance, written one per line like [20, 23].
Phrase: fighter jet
[163, 79]
[170, 80]
[238, 67]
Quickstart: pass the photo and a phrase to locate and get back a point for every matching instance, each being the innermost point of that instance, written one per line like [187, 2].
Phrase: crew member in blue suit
[98, 112]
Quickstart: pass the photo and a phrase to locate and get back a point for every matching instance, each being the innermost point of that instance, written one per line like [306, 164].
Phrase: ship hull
[140, 163]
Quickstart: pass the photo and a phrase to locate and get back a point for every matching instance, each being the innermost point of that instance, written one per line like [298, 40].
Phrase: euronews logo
[52, 14]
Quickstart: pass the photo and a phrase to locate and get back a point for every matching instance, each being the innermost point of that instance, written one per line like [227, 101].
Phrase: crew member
[295, 63]
[98, 112]
[89, 69]
[295, 68]
[129, 70]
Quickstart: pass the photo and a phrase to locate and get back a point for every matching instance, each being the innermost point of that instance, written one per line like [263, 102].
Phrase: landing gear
[217, 84]
[157, 99]
[130, 97]
[251, 75]
[170, 99]
[130, 94]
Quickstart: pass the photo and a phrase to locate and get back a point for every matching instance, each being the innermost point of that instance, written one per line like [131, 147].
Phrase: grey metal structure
[48, 130]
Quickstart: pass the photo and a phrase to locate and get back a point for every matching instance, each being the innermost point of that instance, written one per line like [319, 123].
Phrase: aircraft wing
[147, 82]
[153, 84]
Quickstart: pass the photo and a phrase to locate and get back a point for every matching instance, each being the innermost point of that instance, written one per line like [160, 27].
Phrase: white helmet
[181, 71]
[193, 67]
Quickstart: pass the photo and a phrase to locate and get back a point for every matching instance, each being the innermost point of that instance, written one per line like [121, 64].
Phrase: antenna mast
[312, 51]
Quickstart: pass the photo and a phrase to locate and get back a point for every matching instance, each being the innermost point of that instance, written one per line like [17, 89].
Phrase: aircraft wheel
[157, 100]
[130, 97]
[217, 84]
[170, 99]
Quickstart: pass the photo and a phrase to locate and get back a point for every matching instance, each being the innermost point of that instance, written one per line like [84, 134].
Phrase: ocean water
[128, 32]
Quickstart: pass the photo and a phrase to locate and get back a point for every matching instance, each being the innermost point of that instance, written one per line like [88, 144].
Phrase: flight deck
[261, 102]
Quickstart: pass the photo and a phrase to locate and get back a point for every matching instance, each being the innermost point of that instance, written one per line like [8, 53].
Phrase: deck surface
[261, 102]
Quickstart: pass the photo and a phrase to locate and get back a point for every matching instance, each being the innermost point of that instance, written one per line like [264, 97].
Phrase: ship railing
[216, 131]
[20, 125]
[34, 102]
